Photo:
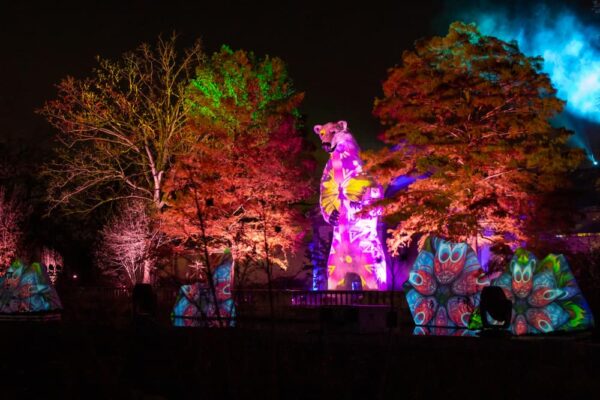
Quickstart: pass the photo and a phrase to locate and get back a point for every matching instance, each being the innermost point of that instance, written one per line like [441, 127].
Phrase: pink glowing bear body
[356, 259]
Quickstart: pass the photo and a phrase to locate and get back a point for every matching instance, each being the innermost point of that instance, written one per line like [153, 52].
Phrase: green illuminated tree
[119, 129]
[473, 112]
[239, 186]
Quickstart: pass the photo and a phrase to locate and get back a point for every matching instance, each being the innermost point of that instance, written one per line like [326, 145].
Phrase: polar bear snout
[328, 147]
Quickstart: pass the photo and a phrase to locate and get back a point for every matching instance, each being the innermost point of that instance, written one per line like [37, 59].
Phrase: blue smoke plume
[568, 44]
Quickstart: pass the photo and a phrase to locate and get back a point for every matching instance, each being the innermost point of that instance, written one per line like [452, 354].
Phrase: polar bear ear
[317, 129]
[342, 125]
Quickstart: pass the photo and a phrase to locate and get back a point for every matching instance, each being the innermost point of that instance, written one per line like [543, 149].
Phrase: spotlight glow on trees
[473, 112]
[119, 129]
[238, 186]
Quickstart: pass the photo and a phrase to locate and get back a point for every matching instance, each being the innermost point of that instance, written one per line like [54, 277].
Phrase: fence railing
[261, 296]
[318, 298]
[106, 303]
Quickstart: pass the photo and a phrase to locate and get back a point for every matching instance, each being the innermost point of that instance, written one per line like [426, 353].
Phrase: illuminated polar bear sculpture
[356, 259]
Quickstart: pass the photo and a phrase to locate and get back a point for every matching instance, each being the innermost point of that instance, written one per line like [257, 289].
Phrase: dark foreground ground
[88, 361]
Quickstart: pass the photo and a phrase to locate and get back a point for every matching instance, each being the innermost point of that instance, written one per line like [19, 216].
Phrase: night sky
[338, 54]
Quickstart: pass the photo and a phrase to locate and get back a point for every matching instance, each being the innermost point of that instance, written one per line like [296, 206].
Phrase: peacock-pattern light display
[544, 294]
[195, 305]
[356, 259]
[26, 289]
[444, 284]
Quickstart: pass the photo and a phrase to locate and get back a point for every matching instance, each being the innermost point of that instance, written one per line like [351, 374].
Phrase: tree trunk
[147, 273]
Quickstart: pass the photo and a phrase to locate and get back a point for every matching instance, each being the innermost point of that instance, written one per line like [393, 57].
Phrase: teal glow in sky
[569, 47]
[569, 42]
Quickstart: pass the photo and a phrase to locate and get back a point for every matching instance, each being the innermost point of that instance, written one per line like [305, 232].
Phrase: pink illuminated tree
[12, 215]
[128, 244]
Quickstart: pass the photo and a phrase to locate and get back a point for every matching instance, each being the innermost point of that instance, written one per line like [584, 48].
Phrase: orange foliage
[472, 112]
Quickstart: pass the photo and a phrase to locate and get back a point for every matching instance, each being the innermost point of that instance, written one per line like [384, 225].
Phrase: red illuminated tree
[239, 186]
[119, 129]
[473, 112]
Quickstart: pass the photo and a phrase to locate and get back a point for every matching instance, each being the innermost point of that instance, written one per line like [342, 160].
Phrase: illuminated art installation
[438, 331]
[195, 304]
[27, 289]
[444, 284]
[545, 295]
[53, 261]
[356, 259]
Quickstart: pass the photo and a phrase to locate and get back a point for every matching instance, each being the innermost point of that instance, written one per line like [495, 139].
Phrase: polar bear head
[332, 134]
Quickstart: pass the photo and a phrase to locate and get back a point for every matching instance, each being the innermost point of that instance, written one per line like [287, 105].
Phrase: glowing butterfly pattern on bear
[545, 295]
[444, 284]
[356, 259]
